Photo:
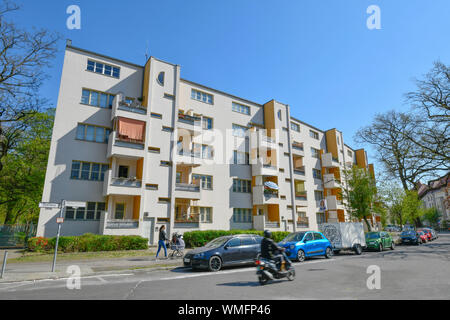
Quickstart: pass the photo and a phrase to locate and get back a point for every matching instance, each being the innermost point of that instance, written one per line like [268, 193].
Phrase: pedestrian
[162, 241]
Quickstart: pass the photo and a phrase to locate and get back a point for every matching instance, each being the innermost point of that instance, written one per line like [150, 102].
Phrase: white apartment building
[143, 147]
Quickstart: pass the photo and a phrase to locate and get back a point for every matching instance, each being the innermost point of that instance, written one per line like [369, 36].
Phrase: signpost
[60, 220]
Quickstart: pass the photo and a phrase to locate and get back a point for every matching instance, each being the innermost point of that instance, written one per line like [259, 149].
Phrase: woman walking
[162, 241]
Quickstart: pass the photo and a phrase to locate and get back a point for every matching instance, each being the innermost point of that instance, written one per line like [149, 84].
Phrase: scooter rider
[271, 251]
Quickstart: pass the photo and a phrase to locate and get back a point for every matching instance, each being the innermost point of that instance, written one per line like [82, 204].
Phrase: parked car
[379, 241]
[433, 233]
[423, 236]
[345, 236]
[302, 245]
[410, 237]
[392, 228]
[224, 251]
[427, 232]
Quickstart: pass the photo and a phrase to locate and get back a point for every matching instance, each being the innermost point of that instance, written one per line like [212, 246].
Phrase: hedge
[200, 238]
[88, 243]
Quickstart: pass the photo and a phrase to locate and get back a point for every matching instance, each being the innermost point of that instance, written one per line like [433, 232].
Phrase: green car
[379, 241]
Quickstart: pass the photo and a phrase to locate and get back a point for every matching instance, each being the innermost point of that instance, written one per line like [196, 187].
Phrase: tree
[360, 195]
[412, 208]
[399, 156]
[432, 102]
[432, 216]
[393, 195]
[24, 56]
[23, 175]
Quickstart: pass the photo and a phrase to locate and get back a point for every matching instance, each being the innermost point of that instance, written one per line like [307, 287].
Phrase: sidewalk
[28, 271]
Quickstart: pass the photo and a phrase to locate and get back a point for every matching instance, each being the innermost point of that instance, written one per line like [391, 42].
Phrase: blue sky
[317, 56]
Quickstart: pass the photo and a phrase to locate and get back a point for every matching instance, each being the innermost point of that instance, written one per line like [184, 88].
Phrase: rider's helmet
[267, 234]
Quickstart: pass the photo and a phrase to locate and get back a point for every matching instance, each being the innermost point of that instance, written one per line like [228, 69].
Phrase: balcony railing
[301, 195]
[303, 222]
[192, 120]
[187, 187]
[272, 224]
[132, 107]
[300, 171]
[126, 182]
[297, 147]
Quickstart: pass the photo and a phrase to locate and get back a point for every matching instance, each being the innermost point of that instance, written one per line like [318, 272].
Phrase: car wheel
[300, 256]
[214, 263]
[392, 245]
[380, 247]
[328, 253]
[358, 249]
[337, 251]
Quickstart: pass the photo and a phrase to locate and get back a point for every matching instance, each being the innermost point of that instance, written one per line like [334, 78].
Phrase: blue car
[302, 245]
[410, 237]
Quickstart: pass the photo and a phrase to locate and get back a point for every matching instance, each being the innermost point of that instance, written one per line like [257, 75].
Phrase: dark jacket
[162, 235]
[269, 248]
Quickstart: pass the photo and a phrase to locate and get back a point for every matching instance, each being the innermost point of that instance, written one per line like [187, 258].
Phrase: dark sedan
[224, 251]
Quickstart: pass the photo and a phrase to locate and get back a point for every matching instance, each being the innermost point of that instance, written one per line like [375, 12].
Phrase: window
[166, 163]
[242, 215]
[92, 211]
[295, 127]
[207, 123]
[102, 68]
[318, 195]
[308, 237]
[239, 131]
[320, 217]
[314, 134]
[235, 242]
[241, 157]
[97, 98]
[167, 129]
[207, 152]
[240, 108]
[150, 186]
[315, 153]
[154, 150]
[156, 115]
[160, 78]
[119, 212]
[349, 153]
[201, 96]
[204, 213]
[169, 96]
[123, 171]
[88, 132]
[248, 241]
[240, 185]
[206, 181]
[300, 191]
[317, 236]
[279, 115]
[88, 171]
[317, 174]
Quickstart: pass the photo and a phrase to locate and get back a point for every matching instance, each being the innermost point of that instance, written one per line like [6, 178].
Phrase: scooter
[267, 270]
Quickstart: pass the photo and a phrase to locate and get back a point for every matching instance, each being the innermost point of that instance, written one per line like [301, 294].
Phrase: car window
[258, 239]
[308, 237]
[317, 236]
[247, 241]
[235, 242]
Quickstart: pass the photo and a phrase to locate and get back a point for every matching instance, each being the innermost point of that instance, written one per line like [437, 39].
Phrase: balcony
[333, 203]
[330, 182]
[300, 171]
[263, 196]
[128, 109]
[297, 149]
[124, 147]
[328, 161]
[261, 223]
[117, 227]
[260, 169]
[188, 158]
[121, 186]
[301, 199]
[122, 224]
[187, 191]
[191, 123]
[303, 222]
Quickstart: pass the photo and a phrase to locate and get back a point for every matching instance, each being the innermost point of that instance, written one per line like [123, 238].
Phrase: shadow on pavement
[245, 283]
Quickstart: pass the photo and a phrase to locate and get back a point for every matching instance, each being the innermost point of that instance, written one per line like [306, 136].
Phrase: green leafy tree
[23, 174]
[412, 208]
[432, 216]
[360, 195]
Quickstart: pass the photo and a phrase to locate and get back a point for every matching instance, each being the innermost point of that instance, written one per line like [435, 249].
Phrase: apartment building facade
[142, 147]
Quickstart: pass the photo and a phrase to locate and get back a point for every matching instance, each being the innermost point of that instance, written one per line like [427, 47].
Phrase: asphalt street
[408, 272]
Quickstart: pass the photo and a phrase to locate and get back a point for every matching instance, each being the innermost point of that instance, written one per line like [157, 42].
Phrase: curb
[95, 274]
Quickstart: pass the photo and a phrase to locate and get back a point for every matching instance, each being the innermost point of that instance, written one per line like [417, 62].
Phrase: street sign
[59, 220]
[75, 204]
[49, 205]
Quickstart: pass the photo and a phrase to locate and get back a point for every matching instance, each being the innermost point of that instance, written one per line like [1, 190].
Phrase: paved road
[408, 272]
